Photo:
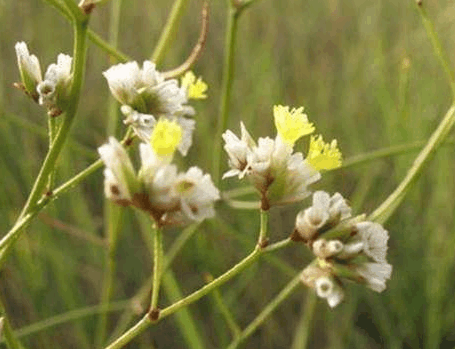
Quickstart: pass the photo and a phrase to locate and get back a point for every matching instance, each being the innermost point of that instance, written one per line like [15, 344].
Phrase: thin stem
[142, 324]
[52, 156]
[112, 213]
[70, 316]
[437, 47]
[262, 240]
[61, 8]
[168, 33]
[112, 51]
[14, 232]
[253, 326]
[113, 216]
[157, 267]
[385, 210]
[77, 13]
[228, 74]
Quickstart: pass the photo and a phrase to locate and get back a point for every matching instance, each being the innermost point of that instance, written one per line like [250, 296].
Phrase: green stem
[112, 213]
[384, 152]
[52, 156]
[157, 266]
[61, 8]
[14, 232]
[228, 74]
[253, 326]
[168, 33]
[70, 316]
[145, 322]
[437, 47]
[98, 41]
[10, 337]
[385, 210]
[263, 228]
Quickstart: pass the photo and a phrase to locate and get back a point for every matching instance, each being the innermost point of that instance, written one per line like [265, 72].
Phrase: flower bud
[29, 69]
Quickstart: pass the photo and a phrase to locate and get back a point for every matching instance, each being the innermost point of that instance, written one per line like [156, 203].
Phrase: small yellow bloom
[323, 156]
[291, 125]
[165, 137]
[196, 89]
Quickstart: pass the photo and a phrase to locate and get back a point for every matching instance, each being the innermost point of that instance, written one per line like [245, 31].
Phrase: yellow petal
[196, 89]
[291, 125]
[165, 137]
[323, 156]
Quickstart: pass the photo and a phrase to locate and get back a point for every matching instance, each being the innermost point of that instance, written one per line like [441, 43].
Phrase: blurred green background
[366, 74]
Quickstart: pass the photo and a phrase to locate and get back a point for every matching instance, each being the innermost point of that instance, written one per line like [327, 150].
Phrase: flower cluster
[147, 96]
[280, 175]
[52, 91]
[345, 248]
[170, 197]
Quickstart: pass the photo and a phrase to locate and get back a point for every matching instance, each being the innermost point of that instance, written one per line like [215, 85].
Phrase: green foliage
[366, 75]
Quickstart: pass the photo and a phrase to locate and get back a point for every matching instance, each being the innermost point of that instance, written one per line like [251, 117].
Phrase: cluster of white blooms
[170, 197]
[345, 248]
[147, 96]
[52, 91]
[280, 175]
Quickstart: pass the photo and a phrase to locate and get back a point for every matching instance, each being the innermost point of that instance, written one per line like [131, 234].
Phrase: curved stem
[52, 156]
[22, 222]
[385, 210]
[169, 30]
[253, 326]
[145, 322]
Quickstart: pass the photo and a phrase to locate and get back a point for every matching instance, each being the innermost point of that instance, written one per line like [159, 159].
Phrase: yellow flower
[196, 89]
[165, 137]
[291, 125]
[323, 156]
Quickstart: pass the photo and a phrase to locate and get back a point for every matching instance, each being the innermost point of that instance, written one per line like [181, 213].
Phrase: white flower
[120, 182]
[177, 199]
[280, 176]
[374, 238]
[325, 211]
[55, 86]
[323, 283]
[29, 68]
[197, 194]
[327, 288]
[375, 274]
[146, 90]
[237, 150]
